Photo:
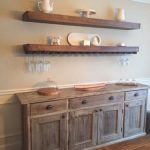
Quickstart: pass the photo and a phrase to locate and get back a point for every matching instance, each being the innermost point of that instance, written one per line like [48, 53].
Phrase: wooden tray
[48, 91]
[90, 87]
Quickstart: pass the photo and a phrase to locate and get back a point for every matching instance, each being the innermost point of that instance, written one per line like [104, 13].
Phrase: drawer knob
[100, 110]
[63, 116]
[84, 102]
[49, 107]
[111, 98]
[136, 94]
[127, 105]
[96, 110]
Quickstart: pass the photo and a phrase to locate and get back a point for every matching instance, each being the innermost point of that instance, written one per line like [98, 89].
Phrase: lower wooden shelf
[66, 49]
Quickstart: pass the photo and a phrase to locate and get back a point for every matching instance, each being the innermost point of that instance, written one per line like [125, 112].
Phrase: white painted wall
[65, 70]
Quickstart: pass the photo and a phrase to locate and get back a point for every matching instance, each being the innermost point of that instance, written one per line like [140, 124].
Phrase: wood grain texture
[49, 133]
[98, 121]
[78, 21]
[66, 49]
[34, 97]
[110, 126]
[134, 117]
[26, 127]
[82, 129]
[142, 143]
[48, 107]
[134, 95]
[96, 100]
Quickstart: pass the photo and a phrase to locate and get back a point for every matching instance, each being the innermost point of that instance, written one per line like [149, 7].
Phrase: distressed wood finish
[142, 143]
[26, 127]
[49, 133]
[67, 49]
[110, 126]
[68, 93]
[82, 129]
[92, 118]
[78, 21]
[134, 117]
[96, 100]
[134, 95]
[48, 107]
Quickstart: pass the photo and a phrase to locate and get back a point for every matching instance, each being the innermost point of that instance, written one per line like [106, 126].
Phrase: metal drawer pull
[111, 98]
[127, 105]
[49, 107]
[84, 102]
[136, 94]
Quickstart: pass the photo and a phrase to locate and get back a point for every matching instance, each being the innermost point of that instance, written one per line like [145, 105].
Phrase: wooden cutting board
[90, 87]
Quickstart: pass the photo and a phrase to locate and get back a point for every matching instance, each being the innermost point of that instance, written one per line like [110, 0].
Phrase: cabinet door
[82, 129]
[49, 133]
[134, 117]
[110, 123]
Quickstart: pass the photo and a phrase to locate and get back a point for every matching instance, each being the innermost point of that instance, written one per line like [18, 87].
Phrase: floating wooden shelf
[48, 49]
[78, 21]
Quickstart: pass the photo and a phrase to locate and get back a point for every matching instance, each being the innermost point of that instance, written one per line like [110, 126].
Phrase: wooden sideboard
[76, 120]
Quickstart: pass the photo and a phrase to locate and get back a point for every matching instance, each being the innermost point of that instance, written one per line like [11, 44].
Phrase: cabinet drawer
[48, 107]
[95, 100]
[134, 95]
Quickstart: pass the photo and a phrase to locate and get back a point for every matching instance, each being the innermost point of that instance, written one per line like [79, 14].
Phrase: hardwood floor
[142, 143]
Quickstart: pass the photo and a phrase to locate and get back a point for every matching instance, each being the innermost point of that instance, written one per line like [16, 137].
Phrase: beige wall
[65, 69]
[70, 69]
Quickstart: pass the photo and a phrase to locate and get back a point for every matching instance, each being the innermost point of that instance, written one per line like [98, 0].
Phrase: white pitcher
[46, 6]
[96, 40]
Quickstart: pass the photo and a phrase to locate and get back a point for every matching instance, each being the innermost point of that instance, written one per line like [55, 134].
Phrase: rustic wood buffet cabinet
[76, 120]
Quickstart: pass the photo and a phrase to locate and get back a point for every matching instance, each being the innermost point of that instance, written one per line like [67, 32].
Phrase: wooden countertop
[34, 97]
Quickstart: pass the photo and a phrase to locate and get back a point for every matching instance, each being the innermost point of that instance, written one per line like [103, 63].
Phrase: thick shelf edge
[40, 17]
[66, 49]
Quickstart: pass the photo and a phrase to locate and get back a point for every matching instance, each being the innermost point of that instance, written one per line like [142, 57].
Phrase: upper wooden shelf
[78, 21]
[48, 49]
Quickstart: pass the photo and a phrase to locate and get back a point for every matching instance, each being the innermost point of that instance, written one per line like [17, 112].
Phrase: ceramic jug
[45, 6]
[96, 41]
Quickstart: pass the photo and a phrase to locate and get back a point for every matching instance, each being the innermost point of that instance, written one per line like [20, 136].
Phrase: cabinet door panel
[134, 117]
[83, 129]
[49, 133]
[110, 123]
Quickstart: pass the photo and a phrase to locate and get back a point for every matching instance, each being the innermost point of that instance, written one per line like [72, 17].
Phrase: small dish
[86, 12]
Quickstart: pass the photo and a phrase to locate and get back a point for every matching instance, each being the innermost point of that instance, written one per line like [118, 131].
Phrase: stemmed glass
[38, 64]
